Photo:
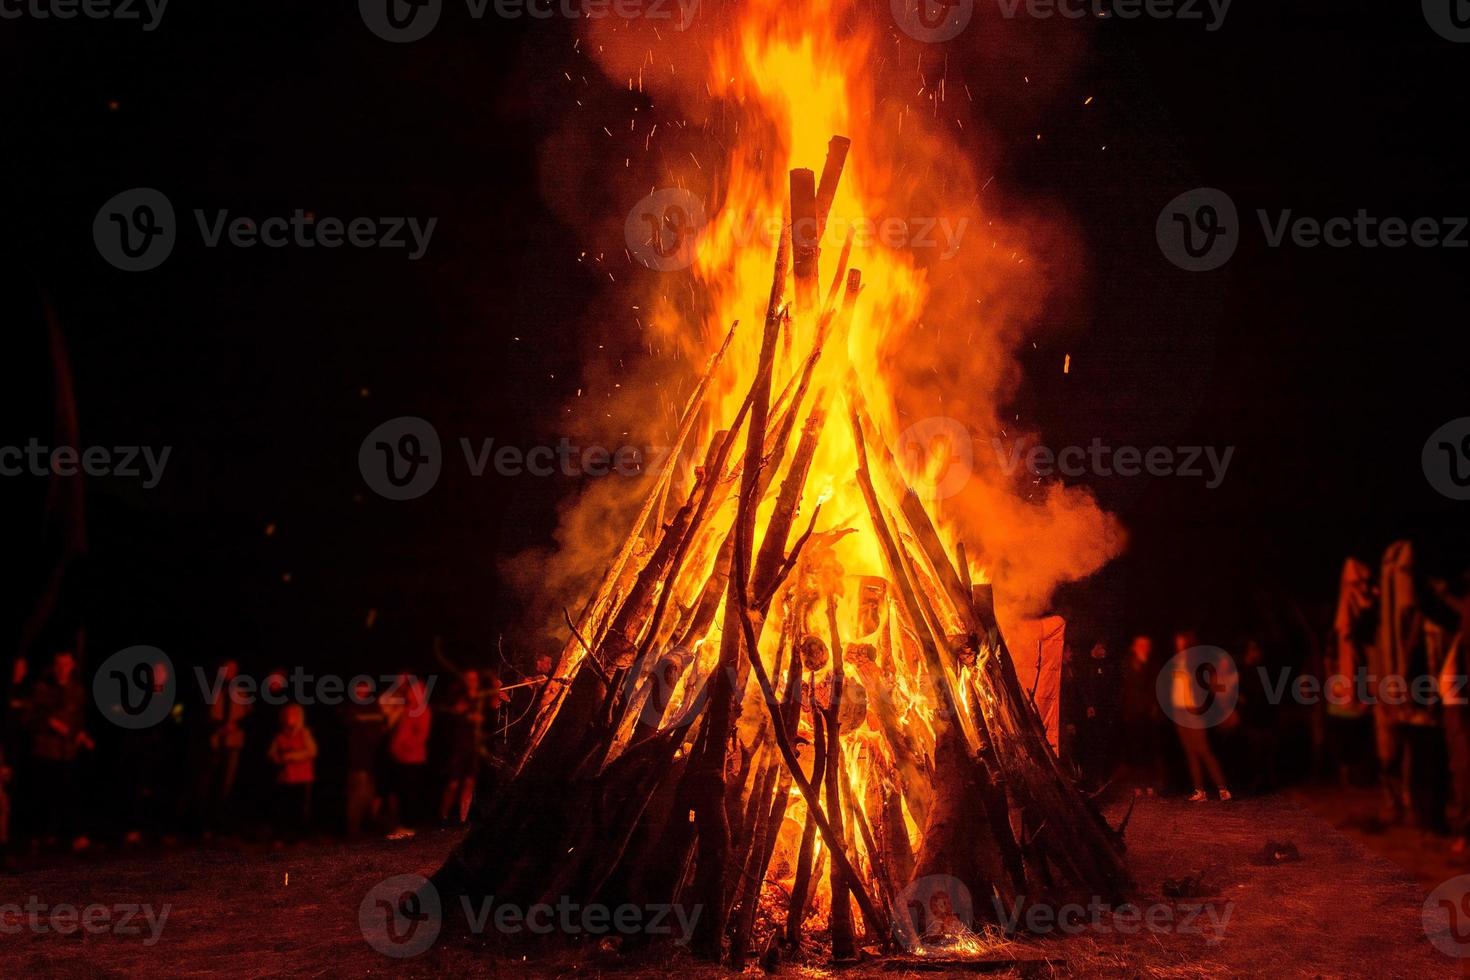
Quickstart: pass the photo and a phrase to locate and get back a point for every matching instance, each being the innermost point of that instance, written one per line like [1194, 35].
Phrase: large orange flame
[948, 291]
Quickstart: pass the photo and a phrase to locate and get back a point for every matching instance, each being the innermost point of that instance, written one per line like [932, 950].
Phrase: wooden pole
[806, 239]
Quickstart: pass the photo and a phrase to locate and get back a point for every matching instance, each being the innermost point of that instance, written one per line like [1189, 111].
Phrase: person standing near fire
[1143, 721]
[1454, 699]
[1198, 753]
[12, 742]
[225, 720]
[58, 737]
[365, 723]
[409, 717]
[293, 753]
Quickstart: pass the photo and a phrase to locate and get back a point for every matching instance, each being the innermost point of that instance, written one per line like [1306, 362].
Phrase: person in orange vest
[293, 752]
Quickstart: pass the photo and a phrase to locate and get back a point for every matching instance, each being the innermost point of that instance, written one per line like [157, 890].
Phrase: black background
[1326, 368]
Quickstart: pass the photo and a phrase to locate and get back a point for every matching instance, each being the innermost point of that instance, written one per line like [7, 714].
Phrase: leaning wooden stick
[788, 755]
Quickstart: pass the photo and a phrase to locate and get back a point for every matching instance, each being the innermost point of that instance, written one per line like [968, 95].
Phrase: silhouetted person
[13, 744]
[1143, 719]
[225, 716]
[293, 753]
[1096, 679]
[1198, 754]
[366, 726]
[1454, 697]
[58, 707]
[409, 720]
[146, 767]
[466, 718]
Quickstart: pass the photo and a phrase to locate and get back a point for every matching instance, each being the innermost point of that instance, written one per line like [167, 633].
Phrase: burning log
[773, 546]
[841, 918]
[788, 755]
[837, 148]
[758, 858]
[912, 771]
[796, 907]
[948, 848]
[806, 239]
[572, 652]
[707, 769]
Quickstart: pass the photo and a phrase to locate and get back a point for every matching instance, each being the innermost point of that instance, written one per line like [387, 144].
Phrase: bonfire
[788, 701]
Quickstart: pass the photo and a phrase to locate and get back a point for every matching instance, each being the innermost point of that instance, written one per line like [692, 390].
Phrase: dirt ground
[251, 912]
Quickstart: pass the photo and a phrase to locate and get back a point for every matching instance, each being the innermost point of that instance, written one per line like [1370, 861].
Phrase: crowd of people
[393, 761]
[386, 761]
[1378, 696]
[1123, 730]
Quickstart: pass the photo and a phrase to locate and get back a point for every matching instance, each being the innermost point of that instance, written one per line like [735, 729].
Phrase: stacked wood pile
[622, 796]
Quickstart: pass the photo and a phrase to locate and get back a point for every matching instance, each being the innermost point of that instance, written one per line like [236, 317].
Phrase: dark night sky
[1327, 369]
